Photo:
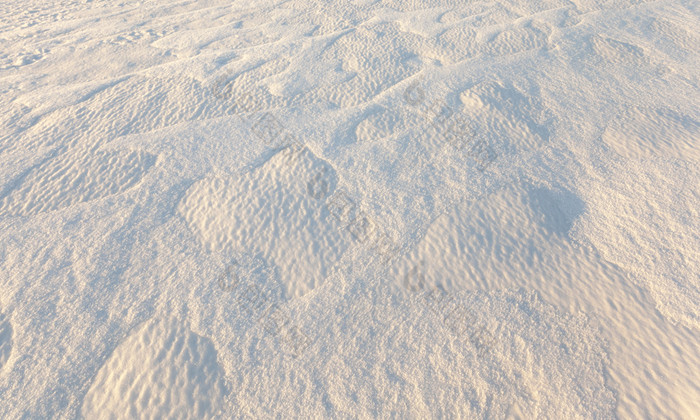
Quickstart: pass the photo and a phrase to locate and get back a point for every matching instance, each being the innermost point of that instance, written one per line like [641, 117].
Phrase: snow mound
[651, 133]
[162, 371]
[505, 115]
[517, 39]
[277, 211]
[644, 218]
[377, 125]
[510, 237]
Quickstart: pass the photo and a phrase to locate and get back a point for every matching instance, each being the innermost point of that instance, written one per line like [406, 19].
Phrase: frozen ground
[349, 209]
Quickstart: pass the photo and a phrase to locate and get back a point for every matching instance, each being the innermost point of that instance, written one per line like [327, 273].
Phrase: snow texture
[349, 209]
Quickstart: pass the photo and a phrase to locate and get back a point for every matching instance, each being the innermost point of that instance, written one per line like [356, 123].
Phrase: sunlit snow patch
[164, 370]
[278, 211]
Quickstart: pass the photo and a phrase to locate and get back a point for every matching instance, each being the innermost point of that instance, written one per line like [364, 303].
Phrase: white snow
[349, 209]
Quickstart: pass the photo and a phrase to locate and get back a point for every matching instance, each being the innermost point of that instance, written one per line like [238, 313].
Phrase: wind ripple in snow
[65, 181]
[162, 371]
[270, 211]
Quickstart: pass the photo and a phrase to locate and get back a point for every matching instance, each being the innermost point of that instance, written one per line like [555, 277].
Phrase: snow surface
[349, 209]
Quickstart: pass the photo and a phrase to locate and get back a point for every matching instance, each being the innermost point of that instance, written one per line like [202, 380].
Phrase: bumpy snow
[349, 209]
